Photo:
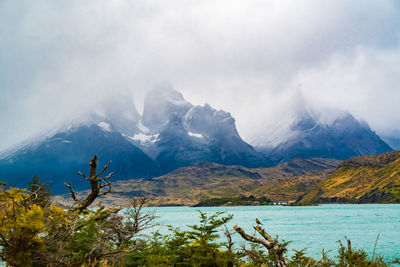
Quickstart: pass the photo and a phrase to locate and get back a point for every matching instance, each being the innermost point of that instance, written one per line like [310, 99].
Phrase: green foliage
[356, 257]
[197, 246]
[235, 201]
[41, 192]
[20, 227]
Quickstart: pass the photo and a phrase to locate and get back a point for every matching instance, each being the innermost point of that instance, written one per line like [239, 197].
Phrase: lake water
[312, 227]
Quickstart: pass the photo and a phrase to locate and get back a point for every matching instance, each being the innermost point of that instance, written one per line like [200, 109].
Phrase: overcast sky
[251, 58]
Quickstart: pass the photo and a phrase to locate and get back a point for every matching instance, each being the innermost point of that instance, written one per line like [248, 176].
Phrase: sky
[252, 58]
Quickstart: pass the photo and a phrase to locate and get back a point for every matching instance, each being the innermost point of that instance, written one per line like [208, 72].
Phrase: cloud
[247, 57]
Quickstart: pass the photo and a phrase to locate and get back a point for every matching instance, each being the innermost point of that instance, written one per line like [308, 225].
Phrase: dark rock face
[344, 138]
[376, 196]
[58, 158]
[189, 134]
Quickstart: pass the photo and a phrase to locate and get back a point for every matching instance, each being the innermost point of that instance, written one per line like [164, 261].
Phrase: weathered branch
[273, 246]
[105, 185]
[104, 169]
[81, 174]
[106, 192]
[262, 232]
[228, 236]
[96, 185]
[93, 166]
[73, 195]
[110, 175]
[132, 223]
[254, 239]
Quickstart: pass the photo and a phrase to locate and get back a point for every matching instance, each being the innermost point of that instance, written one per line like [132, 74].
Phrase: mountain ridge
[343, 138]
[367, 179]
[173, 133]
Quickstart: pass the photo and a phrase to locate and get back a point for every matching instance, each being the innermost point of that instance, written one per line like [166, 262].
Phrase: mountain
[201, 181]
[367, 179]
[170, 134]
[175, 133]
[58, 158]
[342, 138]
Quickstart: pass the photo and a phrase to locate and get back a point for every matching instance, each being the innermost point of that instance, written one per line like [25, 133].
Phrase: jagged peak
[206, 120]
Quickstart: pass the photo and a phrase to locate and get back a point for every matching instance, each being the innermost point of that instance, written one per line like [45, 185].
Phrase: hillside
[190, 185]
[368, 179]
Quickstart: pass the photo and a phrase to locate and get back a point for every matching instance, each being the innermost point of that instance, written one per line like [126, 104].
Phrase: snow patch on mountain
[144, 138]
[195, 135]
[105, 126]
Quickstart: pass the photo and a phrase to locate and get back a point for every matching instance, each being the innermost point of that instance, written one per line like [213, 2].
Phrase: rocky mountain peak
[209, 121]
[304, 123]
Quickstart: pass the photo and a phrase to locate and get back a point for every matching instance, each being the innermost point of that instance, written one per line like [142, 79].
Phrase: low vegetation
[235, 201]
[35, 232]
[367, 179]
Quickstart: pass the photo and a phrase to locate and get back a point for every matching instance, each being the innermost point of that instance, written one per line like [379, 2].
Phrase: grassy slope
[371, 179]
[189, 185]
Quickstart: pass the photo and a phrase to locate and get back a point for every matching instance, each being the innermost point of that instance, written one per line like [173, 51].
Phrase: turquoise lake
[313, 227]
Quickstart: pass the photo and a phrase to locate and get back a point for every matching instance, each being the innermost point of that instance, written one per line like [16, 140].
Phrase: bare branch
[73, 195]
[262, 232]
[81, 174]
[105, 185]
[254, 239]
[228, 236]
[34, 193]
[272, 246]
[96, 185]
[104, 169]
[106, 192]
[110, 175]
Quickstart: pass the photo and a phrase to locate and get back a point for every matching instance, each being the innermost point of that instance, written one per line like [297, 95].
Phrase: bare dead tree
[133, 221]
[228, 234]
[273, 246]
[229, 245]
[97, 184]
[140, 220]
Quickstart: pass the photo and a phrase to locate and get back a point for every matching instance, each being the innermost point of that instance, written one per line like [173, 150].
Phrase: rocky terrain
[368, 179]
[201, 181]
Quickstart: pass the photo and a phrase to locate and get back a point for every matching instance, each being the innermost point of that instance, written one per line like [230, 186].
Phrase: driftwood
[272, 245]
[97, 184]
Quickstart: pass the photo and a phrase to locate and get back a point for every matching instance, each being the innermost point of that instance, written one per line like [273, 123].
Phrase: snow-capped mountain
[340, 138]
[57, 158]
[171, 133]
[175, 133]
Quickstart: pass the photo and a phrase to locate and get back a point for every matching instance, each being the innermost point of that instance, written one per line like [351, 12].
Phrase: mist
[251, 58]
